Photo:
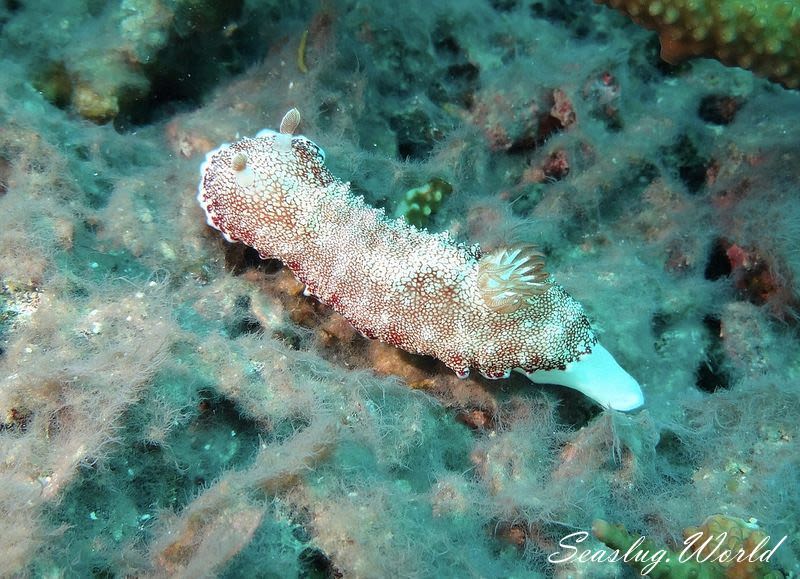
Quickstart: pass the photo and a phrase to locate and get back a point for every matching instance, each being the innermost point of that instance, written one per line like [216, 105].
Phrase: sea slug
[491, 311]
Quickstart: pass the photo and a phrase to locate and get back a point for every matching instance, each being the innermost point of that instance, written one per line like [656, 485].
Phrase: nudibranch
[492, 311]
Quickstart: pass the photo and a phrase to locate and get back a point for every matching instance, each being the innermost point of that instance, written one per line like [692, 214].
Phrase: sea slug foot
[598, 376]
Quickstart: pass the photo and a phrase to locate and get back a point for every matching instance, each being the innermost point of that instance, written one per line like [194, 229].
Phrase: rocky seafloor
[171, 405]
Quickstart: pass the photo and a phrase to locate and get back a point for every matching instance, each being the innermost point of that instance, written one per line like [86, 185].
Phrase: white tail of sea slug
[490, 311]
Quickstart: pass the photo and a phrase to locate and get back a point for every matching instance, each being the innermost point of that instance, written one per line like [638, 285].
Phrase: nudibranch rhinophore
[493, 311]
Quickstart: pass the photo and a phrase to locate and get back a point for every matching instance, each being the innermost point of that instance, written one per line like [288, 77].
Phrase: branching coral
[759, 35]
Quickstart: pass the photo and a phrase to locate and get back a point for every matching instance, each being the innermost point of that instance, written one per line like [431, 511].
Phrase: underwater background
[171, 405]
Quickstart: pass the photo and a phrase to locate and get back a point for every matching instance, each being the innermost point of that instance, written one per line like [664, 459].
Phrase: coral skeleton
[422, 292]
